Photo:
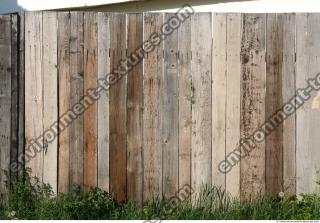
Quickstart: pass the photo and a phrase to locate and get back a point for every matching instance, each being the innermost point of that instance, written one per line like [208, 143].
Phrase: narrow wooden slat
[234, 28]
[288, 91]
[5, 98]
[14, 89]
[308, 117]
[170, 113]
[76, 94]
[64, 98]
[103, 103]
[50, 99]
[185, 101]
[253, 81]
[34, 93]
[90, 81]
[274, 43]
[21, 85]
[134, 112]
[152, 85]
[219, 99]
[201, 166]
[118, 95]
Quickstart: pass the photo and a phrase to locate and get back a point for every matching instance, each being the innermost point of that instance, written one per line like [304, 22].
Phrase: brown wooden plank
[201, 167]
[5, 98]
[170, 113]
[274, 43]
[34, 93]
[50, 98]
[64, 97]
[103, 103]
[90, 81]
[288, 91]
[308, 116]
[118, 94]
[76, 94]
[152, 85]
[185, 100]
[253, 78]
[134, 113]
[234, 28]
[219, 99]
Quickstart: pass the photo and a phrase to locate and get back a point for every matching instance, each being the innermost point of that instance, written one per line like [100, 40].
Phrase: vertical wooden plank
[308, 117]
[170, 112]
[288, 91]
[274, 48]
[219, 93]
[152, 85]
[64, 97]
[103, 103]
[118, 95]
[76, 94]
[201, 43]
[134, 113]
[34, 93]
[5, 98]
[253, 81]
[21, 85]
[14, 89]
[50, 98]
[185, 102]
[234, 28]
[90, 82]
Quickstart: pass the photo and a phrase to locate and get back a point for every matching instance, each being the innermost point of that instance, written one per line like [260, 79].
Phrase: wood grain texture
[234, 29]
[152, 86]
[253, 81]
[76, 94]
[50, 99]
[185, 102]
[170, 113]
[201, 167]
[134, 113]
[64, 98]
[118, 114]
[90, 82]
[308, 116]
[34, 93]
[103, 103]
[288, 91]
[219, 96]
[274, 60]
[5, 98]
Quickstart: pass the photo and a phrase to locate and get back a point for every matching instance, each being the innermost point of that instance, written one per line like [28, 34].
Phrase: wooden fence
[176, 115]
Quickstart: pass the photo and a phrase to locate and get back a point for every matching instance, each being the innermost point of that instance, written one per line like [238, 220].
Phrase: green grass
[26, 200]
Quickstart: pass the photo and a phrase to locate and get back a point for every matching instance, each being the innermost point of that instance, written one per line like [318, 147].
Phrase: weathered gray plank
[169, 110]
[76, 94]
[219, 96]
[308, 117]
[34, 93]
[103, 103]
[50, 98]
[201, 166]
[234, 28]
[288, 91]
[253, 81]
[134, 113]
[5, 98]
[64, 98]
[185, 100]
[152, 85]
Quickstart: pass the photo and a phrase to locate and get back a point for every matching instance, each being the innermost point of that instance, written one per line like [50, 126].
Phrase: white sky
[250, 6]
